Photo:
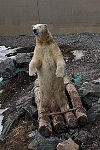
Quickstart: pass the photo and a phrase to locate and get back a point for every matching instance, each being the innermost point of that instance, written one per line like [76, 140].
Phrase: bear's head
[39, 29]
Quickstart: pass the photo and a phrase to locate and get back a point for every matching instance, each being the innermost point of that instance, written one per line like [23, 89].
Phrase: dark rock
[87, 127]
[88, 88]
[22, 107]
[33, 144]
[67, 135]
[31, 111]
[94, 112]
[23, 59]
[46, 143]
[25, 49]
[82, 137]
[93, 99]
[73, 131]
[99, 101]
[87, 102]
[7, 68]
[63, 135]
[8, 125]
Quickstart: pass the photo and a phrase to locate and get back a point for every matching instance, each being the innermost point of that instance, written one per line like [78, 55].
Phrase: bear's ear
[32, 26]
[46, 25]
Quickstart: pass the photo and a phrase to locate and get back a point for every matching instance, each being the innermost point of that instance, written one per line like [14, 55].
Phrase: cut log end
[71, 120]
[58, 124]
[45, 127]
[44, 131]
[81, 116]
[60, 128]
[82, 119]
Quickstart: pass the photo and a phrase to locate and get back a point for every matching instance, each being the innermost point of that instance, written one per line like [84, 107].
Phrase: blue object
[18, 70]
[76, 79]
[1, 79]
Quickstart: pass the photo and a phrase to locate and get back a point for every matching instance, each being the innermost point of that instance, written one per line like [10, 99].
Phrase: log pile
[56, 121]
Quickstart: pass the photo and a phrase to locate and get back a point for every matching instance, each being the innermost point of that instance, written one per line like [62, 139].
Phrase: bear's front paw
[32, 71]
[59, 73]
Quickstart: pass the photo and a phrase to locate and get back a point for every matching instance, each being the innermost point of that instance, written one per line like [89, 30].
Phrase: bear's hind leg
[32, 68]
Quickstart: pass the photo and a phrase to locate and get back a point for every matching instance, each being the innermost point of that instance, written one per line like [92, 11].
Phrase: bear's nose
[35, 30]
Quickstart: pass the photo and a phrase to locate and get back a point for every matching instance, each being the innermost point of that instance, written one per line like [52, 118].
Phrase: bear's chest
[48, 60]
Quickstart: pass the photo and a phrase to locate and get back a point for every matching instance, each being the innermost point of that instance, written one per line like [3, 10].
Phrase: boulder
[23, 59]
[87, 102]
[94, 112]
[7, 68]
[68, 145]
[89, 93]
[89, 88]
[81, 137]
[32, 145]
[46, 143]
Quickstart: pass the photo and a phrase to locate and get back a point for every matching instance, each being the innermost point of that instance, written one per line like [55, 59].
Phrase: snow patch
[96, 81]
[1, 91]
[5, 51]
[2, 48]
[3, 110]
[78, 54]
[32, 134]
[1, 118]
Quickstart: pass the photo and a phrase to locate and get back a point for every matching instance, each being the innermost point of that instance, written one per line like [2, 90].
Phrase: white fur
[46, 62]
[39, 27]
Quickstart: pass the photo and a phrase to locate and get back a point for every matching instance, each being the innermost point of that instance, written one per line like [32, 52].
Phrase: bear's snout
[35, 31]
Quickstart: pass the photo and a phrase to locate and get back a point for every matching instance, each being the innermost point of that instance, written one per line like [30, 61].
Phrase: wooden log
[57, 119]
[68, 115]
[76, 102]
[45, 127]
[70, 119]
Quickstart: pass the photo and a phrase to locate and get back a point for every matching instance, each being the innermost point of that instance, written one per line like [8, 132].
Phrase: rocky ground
[82, 55]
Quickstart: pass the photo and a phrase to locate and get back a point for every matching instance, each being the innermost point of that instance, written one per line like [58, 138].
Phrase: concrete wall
[17, 16]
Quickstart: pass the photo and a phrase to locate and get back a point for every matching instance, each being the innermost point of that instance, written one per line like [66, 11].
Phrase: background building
[63, 16]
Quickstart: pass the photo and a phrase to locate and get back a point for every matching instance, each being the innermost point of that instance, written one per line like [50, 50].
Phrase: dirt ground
[18, 137]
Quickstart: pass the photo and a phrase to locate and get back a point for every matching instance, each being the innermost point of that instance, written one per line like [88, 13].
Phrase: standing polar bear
[49, 65]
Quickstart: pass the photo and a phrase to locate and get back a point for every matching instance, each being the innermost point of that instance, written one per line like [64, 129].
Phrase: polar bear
[49, 65]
